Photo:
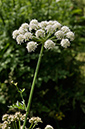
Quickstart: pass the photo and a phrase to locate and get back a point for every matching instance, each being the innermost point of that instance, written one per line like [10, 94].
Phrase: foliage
[59, 87]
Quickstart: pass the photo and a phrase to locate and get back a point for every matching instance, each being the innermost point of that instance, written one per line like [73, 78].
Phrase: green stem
[21, 96]
[33, 84]
[19, 124]
[16, 125]
[23, 101]
[13, 126]
[31, 126]
[34, 125]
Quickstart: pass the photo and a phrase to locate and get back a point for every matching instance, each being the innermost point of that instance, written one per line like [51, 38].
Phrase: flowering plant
[48, 34]
[45, 32]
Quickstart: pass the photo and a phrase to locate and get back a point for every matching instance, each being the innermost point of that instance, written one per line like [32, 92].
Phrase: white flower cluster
[46, 32]
[9, 119]
[35, 120]
[65, 43]
[14, 117]
[31, 46]
[49, 44]
[49, 127]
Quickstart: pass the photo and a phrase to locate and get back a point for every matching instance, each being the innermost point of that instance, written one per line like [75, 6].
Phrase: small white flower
[52, 26]
[43, 24]
[49, 44]
[5, 125]
[65, 29]
[15, 34]
[20, 39]
[22, 30]
[33, 27]
[23, 117]
[59, 34]
[40, 33]
[57, 25]
[18, 114]
[5, 116]
[49, 127]
[34, 21]
[50, 29]
[31, 46]
[11, 118]
[65, 43]
[35, 120]
[50, 22]
[70, 35]
[25, 26]
[28, 36]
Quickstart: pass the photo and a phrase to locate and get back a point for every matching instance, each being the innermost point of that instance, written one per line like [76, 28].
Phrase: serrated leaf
[18, 105]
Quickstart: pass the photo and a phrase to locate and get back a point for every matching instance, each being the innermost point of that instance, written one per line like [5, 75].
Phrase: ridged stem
[32, 88]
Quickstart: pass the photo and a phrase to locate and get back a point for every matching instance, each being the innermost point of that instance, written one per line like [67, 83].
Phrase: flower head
[43, 32]
[20, 38]
[50, 22]
[31, 46]
[25, 25]
[34, 21]
[5, 125]
[18, 114]
[43, 24]
[33, 25]
[27, 36]
[5, 117]
[22, 30]
[70, 35]
[49, 29]
[49, 127]
[59, 34]
[35, 120]
[15, 34]
[56, 25]
[49, 44]
[23, 117]
[40, 33]
[11, 118]
[65, 29]
[65, 43]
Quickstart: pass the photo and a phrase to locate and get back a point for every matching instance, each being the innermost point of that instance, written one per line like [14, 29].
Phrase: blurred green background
[59, 96]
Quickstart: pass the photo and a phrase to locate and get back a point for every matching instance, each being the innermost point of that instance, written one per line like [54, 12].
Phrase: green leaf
[22, 90]
[18, 105]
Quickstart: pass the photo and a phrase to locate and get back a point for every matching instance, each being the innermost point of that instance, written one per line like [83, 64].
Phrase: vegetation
[59, 97]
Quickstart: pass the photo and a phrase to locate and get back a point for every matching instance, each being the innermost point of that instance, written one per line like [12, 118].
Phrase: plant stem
[31, 125]
[23, 101]
[15, 125]
[34, 125]
[33, 84]
[19, 124]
